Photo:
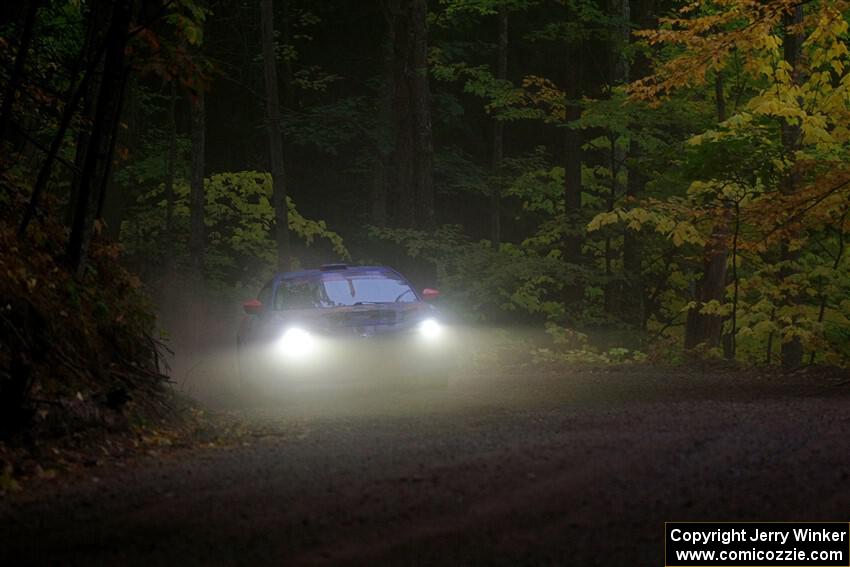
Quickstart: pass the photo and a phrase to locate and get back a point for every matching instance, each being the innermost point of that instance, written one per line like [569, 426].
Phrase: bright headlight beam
[430, 329]
[296, 343]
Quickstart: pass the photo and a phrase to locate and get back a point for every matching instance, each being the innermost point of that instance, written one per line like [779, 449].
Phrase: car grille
[366, 318]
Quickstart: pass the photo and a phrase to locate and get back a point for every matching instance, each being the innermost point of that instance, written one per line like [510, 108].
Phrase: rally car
[341, 323]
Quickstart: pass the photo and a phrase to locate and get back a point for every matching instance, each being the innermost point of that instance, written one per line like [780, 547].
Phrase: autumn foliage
[768, 183]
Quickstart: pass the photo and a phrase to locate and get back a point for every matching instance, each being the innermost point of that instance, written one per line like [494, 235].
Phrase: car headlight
[430, 329]
[296, 343]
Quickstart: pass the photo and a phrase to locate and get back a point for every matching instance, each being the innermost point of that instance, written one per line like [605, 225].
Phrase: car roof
[347, 271]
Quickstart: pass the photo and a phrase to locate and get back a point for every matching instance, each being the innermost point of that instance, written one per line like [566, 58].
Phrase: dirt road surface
[510, 468]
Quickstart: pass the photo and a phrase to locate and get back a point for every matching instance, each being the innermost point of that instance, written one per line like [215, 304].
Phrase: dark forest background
[643, 179]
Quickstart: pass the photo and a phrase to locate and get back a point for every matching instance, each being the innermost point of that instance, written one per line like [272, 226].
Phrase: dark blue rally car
[340, 322]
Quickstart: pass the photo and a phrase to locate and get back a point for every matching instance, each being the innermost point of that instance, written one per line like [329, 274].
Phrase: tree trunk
[498, 135]
[169, 168]
[197, 199]
[792, 348]
[423, 144]
[634, 301]
[383, 166]
[111, 207]
[611, 287]
[97, 44]
[75, 94]
[273, 120]
[403, 196]
[83, 137]
[634, 297]
[18, 68]
[100, 144]
[109, 201]
[701, 328]
[620, 11]
[288, 94]
[574, 229]
[411, 200]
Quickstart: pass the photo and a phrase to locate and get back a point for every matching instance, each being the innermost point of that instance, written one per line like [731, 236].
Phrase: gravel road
[509, 468]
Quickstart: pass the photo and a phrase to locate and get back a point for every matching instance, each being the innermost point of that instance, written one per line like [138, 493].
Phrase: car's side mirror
[428, 294]
[253, 307]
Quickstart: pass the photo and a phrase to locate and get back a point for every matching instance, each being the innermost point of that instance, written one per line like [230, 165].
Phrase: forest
[643, 181]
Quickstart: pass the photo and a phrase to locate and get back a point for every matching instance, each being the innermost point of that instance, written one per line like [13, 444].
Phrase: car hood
[357, 320]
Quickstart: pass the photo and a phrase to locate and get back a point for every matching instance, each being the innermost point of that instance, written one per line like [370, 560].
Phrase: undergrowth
[74, 352]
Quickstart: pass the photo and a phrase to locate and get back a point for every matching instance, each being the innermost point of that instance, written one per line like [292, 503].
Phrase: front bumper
[341, 360]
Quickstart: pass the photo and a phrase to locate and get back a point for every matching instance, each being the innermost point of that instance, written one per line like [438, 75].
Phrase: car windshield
[340, 291]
